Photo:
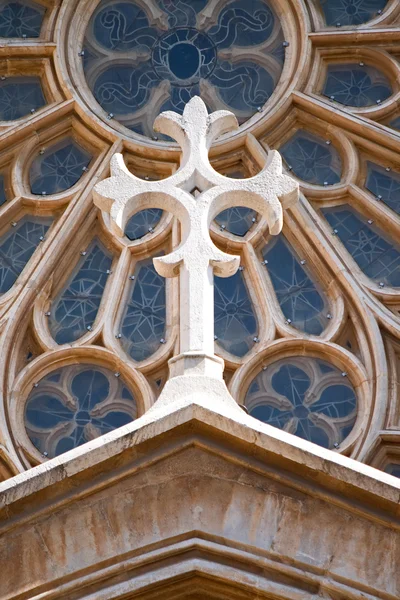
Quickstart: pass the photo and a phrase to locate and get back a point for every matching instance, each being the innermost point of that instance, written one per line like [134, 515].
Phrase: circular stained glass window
[143, 58]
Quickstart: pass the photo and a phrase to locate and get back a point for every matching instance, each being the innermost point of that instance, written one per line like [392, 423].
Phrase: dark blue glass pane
[355, 85]
[84, 403]
[301, 302]
[351, 12]
[395, 123]
[58, 168]
[385, 185]
[19, 96]
[237, 220]
[144, 318]
[304, 396]
[235, 324]
[143, 222]
[17, 247]
[74, 310]
[376, 256]
[165, 66]
[312, 159]
[3, 197]
[20, 19]
[393, 469]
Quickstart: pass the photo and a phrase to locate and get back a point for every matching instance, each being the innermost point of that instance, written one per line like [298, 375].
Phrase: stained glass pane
[351, 12]
[356, 85]
[302, 303]
[74, 405]
[304, 396]
[193, 54]
[74, 310]
[312, 159]
[238, 220]
[144, 317]
[17, 247]
[143, 222]
[393, 469]
[58, 168]
[3, 197]
[235, 324]
[395, 123]
[385, 185]
[376, 256]
[19, 96]
[21, 19]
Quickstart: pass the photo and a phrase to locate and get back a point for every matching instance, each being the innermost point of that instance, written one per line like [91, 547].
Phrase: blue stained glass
[142, 222]
[376, 256]
[144, 317]
[3, 196]
[355, 85]
[21, 19]
[235, 324]
[304, 396]
[393, 469]
[312, 159]
[238, 220]
[301, 302]
[74, 310]
[83, 403]
[19, 96]
[351, 12]
[385, 185]
[58, 168]
[395, 123]
[187, 55]
[18, 245]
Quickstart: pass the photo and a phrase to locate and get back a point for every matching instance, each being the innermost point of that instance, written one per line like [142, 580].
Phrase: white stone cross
[196, 259]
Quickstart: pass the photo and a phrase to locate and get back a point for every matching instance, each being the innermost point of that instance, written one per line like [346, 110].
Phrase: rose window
[138, 66]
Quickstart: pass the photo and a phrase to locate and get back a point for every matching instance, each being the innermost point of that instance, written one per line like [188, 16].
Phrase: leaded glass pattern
[376, 256]
[393, 469]
[237, 220]
[74, 405]
[312, 159]
[302, 303]
[307, 397]
[17, 246]
[351, 12]
[356, 85]
[384, 184]
[235, 323]
[74, 311]
[21, 19]
[142, 222]
[58, 167]
[191, 55]
[20, 96]
[143, 321]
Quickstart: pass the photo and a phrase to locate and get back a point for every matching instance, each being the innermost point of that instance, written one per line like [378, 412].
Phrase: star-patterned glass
[377, 257]
[356, 85]
[74, 311]
[17, 246]
[351, 12]
[393, 469]
[20, 96]
[312, 159]
[235, 324]
[142, 222]
[21, 19]
[58, 167]
[304, 306]
[74, 405]
[304, 396]
[238, 220]
[149, 68]
[384, 184]
[144, 317]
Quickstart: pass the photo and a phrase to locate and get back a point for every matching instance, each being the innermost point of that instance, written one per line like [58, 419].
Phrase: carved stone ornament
[196, 259]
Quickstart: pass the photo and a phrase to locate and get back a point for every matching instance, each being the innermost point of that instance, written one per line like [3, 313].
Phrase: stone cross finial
[197, 258]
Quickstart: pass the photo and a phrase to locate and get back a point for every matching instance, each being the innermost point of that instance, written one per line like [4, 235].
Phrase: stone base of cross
[196, 259]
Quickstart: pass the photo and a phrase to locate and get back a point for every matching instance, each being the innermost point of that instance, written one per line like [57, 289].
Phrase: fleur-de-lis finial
[196, 259]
